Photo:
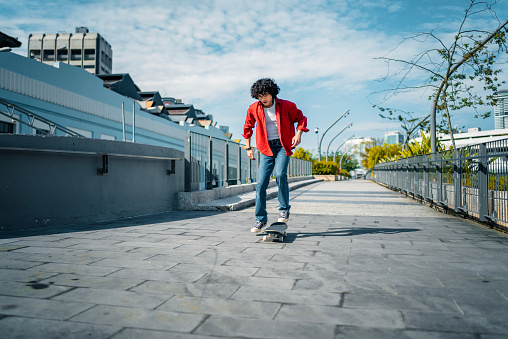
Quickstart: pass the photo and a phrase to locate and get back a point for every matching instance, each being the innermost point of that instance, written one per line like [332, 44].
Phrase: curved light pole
[336, 121]
[351, 137]
[328, 149]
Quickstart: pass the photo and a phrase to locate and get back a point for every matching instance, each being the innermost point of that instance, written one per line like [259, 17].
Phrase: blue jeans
[278, 164]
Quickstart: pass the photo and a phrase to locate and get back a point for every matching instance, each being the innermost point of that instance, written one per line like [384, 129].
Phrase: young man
[275, 139]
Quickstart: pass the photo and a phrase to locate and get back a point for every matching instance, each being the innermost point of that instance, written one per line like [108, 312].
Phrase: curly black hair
[262, 86]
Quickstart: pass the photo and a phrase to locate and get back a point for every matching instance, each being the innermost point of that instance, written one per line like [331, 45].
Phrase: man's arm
[250, 150]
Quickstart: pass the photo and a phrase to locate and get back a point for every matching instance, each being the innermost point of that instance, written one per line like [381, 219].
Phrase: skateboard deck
[275, 232]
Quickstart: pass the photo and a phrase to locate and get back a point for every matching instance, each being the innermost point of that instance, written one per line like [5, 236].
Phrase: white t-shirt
[271, 122]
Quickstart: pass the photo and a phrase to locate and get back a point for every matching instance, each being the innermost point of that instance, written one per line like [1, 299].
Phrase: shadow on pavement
[104, 225]
[352, 231]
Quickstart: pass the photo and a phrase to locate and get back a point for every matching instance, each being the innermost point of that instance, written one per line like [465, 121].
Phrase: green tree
[377, 154]
[454, 67]
[301, 153]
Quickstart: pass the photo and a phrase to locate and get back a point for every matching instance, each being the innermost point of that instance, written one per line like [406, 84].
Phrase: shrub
[323, 167]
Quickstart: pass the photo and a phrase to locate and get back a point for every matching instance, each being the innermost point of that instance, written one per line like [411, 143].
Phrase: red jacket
[287, 115]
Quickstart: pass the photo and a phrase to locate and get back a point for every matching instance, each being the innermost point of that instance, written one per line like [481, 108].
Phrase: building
[82, 48]
[393, 138]
[61, 100]
[472, 136]
[501, 110]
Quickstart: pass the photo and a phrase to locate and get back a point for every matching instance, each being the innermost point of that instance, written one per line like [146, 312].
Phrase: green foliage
[376, 154]
[461, 70]
[345, 173]
[323, 167]
[301, 153]
[417, 148]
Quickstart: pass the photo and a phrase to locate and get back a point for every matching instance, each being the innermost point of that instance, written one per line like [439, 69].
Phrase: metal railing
[472, 180]
[212, 162]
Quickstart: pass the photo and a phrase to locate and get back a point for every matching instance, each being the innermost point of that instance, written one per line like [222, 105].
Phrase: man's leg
[280, 173]
[265, 169]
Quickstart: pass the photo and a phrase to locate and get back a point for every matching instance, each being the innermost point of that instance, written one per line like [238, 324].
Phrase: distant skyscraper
[501, 110]
[392, 138]
[83, 49]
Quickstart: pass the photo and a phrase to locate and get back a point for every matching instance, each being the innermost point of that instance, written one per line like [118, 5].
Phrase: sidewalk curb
[246, 199]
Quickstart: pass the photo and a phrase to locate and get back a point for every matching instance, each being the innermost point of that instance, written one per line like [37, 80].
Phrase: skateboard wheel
[265, 238]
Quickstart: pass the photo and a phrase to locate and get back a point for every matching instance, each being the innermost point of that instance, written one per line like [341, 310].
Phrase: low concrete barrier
[48, 180]
[189, 200]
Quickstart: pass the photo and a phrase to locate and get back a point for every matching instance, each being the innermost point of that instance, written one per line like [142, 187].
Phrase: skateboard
[275, 232]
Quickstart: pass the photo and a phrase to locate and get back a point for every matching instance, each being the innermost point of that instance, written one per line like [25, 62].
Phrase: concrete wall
[56, 181]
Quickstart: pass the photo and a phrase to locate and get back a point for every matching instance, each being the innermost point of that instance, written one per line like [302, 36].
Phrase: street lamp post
[351, 137]
[328, 149]
[336, 121]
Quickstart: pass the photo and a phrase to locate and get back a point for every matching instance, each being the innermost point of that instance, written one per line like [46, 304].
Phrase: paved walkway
[360, 261]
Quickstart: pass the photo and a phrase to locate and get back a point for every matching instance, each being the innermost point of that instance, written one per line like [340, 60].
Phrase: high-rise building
[392, 138]
[83, 49]
[501, 110]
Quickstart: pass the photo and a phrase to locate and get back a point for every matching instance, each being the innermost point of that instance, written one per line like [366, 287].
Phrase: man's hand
[250, 154]
[297, 139]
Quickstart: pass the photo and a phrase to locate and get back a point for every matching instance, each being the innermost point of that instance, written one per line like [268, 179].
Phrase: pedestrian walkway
[360, 261]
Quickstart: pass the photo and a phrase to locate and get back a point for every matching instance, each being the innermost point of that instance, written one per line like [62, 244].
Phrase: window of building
[89, 54]
[75, 54]
[49, 55]
[6, 127]
[41, 132]
[62, 54]
[89, 66]
[35, 54]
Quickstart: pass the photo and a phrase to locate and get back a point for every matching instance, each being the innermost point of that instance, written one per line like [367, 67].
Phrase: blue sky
[208, 53]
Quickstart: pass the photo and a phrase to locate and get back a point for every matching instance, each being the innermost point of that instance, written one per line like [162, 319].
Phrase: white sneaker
[283, 216]
[258, 227]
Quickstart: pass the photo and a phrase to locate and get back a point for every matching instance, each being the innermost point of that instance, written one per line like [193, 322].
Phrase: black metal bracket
[172, 169]
[104, 169]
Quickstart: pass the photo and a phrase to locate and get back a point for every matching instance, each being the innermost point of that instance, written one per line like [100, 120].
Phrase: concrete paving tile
[108, 283]
[140, 318]
[40, 308]
[131, 333]
[112, 297]
[51, 250]
[341, 316]
[262, 263]
[30, 290]
[133, 263]
[7, 247]
[18, 264]
[353, 332]
[219, 326]
[216, 306]
[393, 302]
[455, 323]
[75, 269]
[166, 276]
[269, 282]
[18, 327]
[200, 289]
[306, 297]
[24, 276]
[80, 259]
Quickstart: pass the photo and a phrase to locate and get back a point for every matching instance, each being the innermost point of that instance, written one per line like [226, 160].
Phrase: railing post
[439, 177]
[483, 183]
[239, 166]
[426, 178]
[457, 181]
[188, 163]
[225, 174]
[208, 167]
